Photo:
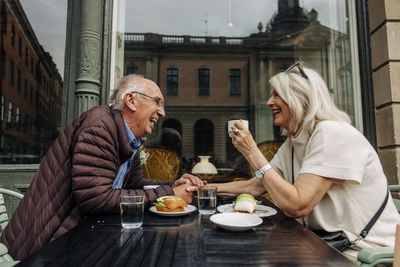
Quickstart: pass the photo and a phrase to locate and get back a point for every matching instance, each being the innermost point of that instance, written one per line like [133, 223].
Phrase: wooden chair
[160, 163]
[269, 149]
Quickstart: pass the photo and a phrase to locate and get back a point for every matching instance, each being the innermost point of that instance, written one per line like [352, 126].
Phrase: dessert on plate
[245, 203]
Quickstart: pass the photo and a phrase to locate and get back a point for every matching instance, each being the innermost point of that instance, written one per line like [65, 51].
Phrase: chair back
[268, 149]
[160, 163]
[4, 216]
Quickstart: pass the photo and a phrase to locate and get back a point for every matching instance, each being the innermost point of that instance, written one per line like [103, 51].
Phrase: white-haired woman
[326, 172]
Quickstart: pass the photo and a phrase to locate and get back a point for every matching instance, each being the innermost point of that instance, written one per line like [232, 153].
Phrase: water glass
[132, 208]
[207, 200]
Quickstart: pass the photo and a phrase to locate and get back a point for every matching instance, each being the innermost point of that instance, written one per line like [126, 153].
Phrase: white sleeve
[336, 151]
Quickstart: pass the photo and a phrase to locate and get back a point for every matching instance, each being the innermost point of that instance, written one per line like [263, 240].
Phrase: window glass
[204, 81]
[226, 52]
[234, 82]
[172, 81]
[32, 62]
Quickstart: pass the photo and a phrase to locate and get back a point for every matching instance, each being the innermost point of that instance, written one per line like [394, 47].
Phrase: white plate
[261, 210]
[236, 221]
[151, 186]
[188, 209]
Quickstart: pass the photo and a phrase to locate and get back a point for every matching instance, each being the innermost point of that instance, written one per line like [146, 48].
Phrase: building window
[13, 35]
[20, 46]
[131, 70]
[19, 81]
[172, 81]
[31, 95]
[32, 65]
[3, 107]
[11, 72]
[3, 63]
[25, 88]
[17, 115]
[26, 56]
[235, 82]
[10, 111]
[204, 81]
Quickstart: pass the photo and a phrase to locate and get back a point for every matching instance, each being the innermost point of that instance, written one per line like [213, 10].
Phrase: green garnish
[160, 204]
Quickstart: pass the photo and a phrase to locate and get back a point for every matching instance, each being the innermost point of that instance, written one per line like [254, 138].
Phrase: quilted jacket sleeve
[95, 161]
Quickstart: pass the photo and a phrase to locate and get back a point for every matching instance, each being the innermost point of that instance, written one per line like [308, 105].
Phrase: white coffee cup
[231, 122]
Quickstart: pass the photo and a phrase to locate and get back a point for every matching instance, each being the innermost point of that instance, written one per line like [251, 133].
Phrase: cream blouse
[338, 150]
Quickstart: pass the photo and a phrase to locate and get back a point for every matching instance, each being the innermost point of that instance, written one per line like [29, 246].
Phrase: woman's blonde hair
[308, 98]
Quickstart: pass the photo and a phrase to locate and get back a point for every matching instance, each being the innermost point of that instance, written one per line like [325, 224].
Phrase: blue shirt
[126, 166]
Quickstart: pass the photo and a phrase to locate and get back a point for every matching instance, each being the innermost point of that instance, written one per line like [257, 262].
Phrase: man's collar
[133, 141]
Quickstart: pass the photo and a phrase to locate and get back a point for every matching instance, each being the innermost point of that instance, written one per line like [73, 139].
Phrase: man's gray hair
[309, 100]
[129, 83]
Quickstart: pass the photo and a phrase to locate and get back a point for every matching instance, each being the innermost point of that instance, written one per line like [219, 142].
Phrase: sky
[174, 17]
[48, 19]
[164, 16]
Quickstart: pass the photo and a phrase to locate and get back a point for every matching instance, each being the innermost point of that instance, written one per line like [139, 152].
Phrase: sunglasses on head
[302, 73]
[300, 68]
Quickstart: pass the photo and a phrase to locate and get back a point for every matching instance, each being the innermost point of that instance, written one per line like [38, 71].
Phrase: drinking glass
[207, 200]
[132, 208]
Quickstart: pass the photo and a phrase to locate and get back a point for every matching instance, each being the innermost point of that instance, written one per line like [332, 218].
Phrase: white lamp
[204, 168]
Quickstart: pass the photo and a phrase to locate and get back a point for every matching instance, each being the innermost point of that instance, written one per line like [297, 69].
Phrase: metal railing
[180, 39]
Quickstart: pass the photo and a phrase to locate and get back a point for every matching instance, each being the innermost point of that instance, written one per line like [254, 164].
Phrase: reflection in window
[34, 52]
[3, 100]
[19, 81]
[234, 82]
[204, 138]
[11, 72]
[172, 81]
[267, 36]
[204, 81]
[13, 35]
[10, 112]
[131, 70]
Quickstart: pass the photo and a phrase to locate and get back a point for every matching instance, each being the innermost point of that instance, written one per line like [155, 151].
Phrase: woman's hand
[242, 139]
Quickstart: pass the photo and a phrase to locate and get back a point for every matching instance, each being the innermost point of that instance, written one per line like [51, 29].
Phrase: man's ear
[130, 101]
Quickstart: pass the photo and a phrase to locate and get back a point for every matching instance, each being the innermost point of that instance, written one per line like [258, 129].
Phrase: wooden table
[190, 240]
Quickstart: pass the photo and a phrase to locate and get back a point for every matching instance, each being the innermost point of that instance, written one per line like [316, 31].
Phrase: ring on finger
[236, 131]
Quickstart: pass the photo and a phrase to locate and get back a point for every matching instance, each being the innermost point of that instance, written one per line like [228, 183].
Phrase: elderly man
[89, 165]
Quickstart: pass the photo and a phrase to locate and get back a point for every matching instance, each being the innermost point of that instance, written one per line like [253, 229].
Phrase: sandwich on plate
[170, 204]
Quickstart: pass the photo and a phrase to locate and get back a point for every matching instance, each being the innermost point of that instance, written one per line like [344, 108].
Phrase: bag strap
[371, 223]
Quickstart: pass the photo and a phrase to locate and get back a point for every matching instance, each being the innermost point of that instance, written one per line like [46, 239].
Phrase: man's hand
[190, 180]
[185, 191]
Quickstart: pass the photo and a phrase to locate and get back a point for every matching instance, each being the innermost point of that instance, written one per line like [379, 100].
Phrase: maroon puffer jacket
[75, 179]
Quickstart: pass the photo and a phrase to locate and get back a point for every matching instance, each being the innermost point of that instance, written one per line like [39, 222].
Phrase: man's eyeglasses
[301, 70]
[157, 100]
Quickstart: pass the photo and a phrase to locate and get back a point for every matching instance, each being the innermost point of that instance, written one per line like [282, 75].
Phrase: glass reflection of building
[30, 90]
[207, 80]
